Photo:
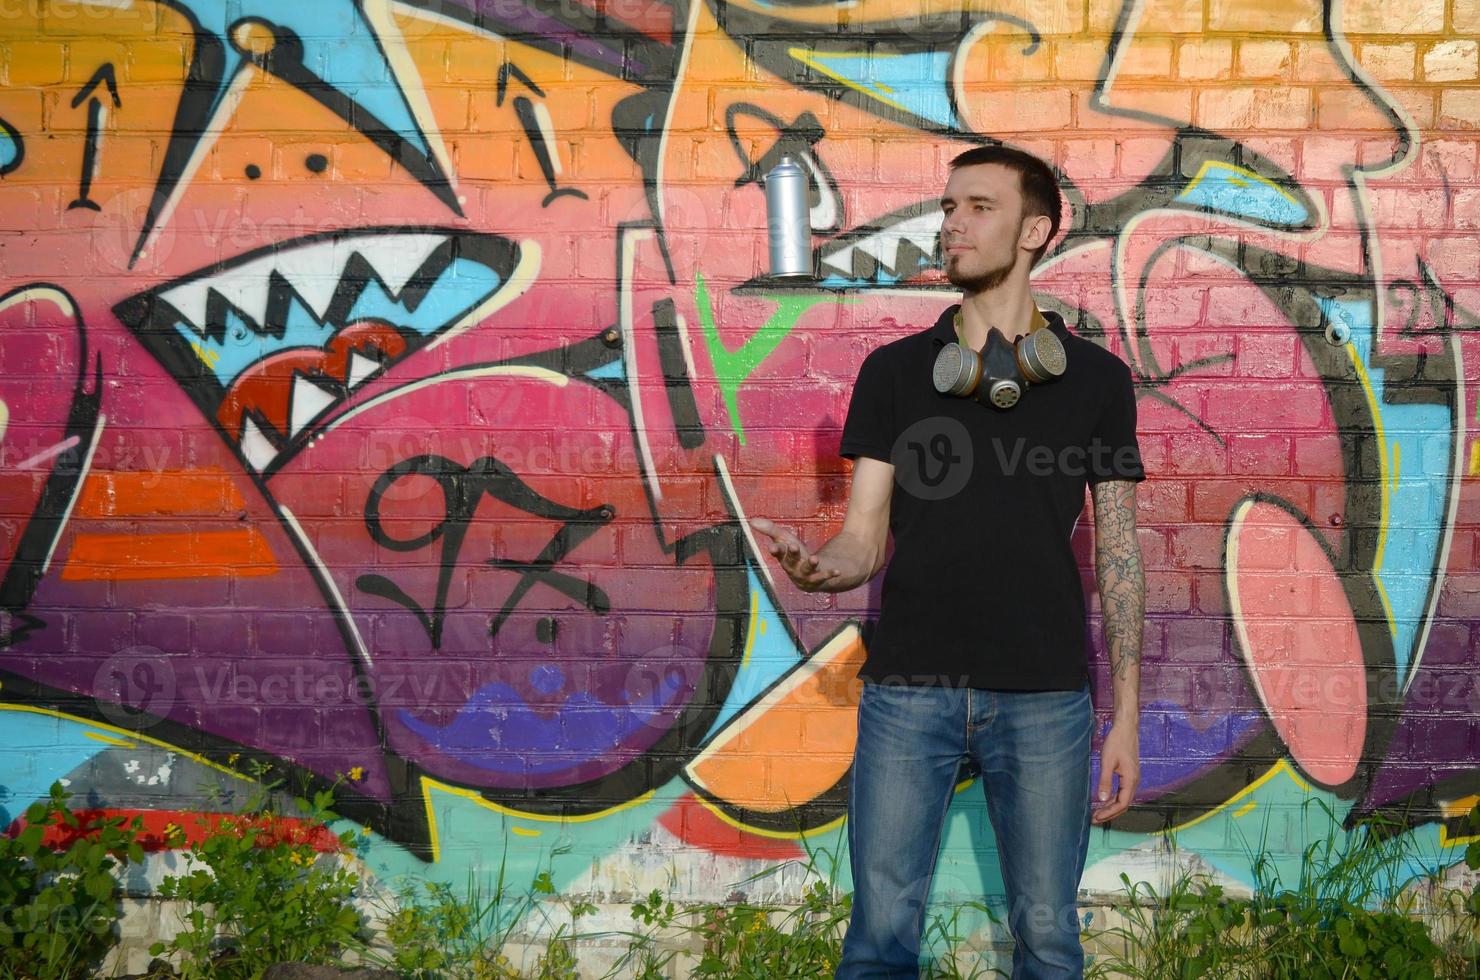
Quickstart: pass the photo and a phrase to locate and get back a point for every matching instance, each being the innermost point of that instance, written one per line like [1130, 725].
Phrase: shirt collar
[944, 331]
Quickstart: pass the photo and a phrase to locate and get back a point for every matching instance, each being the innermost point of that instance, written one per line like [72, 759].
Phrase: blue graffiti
[339, 47]
[882, 278]
[612, 371]
[1417, 445]
[498, 731]
[12, 148]
[769, 654]
[1174, 749]
[1236, 191]
[913, 82]
[54, 747]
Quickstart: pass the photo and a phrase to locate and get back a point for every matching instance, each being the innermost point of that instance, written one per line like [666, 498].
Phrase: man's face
[982, 228]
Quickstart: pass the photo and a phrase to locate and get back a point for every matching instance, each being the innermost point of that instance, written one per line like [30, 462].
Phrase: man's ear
[1035, 232]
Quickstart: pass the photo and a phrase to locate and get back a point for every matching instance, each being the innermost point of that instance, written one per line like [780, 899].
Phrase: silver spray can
[789, 223]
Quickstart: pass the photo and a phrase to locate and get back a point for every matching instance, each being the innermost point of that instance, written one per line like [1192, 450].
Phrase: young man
[980, 648]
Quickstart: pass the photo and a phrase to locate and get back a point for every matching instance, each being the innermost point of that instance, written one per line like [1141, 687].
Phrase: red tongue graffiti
[279, 397]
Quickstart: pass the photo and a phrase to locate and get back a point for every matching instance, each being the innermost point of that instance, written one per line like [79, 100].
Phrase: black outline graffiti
[687, 423]
[797, 139]
[48, 518]
[286, 61]
[1424, 377]
[568, 31]
[104, 76]
[14, 135]
[544, 153]
[462, 488]
[204, 81]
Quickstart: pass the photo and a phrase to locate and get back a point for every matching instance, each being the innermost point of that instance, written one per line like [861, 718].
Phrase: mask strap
[1039, 322]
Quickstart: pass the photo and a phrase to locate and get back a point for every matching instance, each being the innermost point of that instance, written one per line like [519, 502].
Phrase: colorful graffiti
[385, 385]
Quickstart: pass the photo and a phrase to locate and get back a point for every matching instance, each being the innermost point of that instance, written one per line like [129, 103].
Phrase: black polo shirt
[983, 589]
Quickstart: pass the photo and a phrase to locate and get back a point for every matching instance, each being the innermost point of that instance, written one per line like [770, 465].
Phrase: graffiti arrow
[535, 118]
[103, 76]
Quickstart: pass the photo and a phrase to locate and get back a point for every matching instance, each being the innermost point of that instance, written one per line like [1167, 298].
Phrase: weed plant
[756, 940]
[1456, 914]
[259, 891]
[1342, 917]
[58, 904]
[436, 933]
[944, 932]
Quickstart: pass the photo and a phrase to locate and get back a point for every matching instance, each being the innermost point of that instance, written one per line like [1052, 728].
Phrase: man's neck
[1009, 308]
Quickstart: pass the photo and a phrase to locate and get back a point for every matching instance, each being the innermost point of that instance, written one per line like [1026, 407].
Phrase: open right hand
[807, 571]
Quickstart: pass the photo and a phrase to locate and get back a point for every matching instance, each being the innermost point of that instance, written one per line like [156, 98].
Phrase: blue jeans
[1033, 749]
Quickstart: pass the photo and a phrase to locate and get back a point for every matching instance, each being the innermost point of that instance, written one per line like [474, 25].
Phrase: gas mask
[998, 375]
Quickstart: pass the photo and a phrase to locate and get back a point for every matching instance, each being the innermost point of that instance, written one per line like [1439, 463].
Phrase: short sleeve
[1115, 454]
[869, 429]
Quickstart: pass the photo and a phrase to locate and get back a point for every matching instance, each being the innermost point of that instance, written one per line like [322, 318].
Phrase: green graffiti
[733, 367]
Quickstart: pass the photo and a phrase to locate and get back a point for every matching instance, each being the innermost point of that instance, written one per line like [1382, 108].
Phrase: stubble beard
[980, 282]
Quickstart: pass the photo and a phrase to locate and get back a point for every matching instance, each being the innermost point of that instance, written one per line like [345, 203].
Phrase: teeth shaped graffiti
[360, 369]
[267, 344]
[309, 402]
[899, 250]
[255, 447]
[314, 273]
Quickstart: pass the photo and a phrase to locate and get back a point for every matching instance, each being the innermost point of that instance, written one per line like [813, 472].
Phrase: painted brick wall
[383, 389]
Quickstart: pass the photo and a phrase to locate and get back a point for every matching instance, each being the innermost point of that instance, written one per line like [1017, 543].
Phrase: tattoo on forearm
[1118, 568]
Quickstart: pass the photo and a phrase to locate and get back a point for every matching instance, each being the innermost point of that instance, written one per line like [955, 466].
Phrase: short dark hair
[1036, 180]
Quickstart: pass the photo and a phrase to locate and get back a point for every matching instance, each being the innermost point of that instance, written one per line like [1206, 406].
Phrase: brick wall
[383, 391]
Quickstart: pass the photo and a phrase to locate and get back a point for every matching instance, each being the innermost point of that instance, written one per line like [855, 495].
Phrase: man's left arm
[1122, 583]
